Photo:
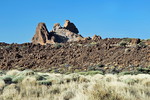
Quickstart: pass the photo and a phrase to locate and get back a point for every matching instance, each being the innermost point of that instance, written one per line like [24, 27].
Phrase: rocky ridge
[110, 54]
[63, 49]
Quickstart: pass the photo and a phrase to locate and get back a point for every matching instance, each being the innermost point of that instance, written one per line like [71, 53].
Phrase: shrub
[29, 80]
[142, 44]
[93, 43]
[28, 72]
[77, 87]
[68, 95]
[126, 73]
[127, 40]
[2, 84]
[67, 78]
[91, 72]
[55, 90]
[2, 72]
[7, 79]
[130, 81]
[13, 72]
[57, 45]
[18, 79]
[146, 82]
[40, 77]
[102, 92]
[45, 82]
[95, 67]
[122, 43]
[143, 70]
[74, 77]
[10, 92]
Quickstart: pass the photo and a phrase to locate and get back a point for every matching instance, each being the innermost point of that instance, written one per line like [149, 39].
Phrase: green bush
[18, 79]
[144, 70]
[130, 81]
[7, 79]
[126, 73]
[26, 72]
[95, 67]
[123, 44]
[127, 40]
[40, 77]
[57, 45]
[142, 44]
[93, 43]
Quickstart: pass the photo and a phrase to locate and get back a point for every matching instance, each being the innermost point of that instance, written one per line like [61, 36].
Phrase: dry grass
[48, 86]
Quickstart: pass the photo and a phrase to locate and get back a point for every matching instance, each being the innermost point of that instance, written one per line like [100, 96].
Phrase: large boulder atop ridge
[42, 36]
[135, 41]
[96, 38]
[71, 27]
[147, 42]
[58, 34]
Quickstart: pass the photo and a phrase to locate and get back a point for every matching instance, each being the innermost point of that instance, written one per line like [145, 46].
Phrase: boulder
[135, 41]
[87, 38]
[56, 27]
[42, 35]
[57, 35]
[96, 38]
[71, 27]
[147, 42]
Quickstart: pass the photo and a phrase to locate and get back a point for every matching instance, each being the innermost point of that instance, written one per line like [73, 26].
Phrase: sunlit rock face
[58, 35]
[42, 36]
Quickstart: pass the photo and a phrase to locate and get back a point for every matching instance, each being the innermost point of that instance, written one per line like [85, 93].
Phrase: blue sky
[107, 18]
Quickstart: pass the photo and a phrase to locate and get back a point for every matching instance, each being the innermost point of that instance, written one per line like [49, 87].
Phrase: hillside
[64, 49]
[104, 54]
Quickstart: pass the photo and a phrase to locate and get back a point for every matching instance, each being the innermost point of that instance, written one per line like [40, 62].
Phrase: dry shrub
[102, 92]
[29, 81]
[2, 84]
[13, 72]
[67, 95]
[76, 87]
[10, 92]
[146, 82]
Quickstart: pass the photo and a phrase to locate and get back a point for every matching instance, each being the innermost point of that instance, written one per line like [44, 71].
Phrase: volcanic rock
[59, 34]
[147, 42]
[66, 35]
[135, 41]
[56, 27]
[42, 36]
[96, 38]
[71, 27]
[87, 38]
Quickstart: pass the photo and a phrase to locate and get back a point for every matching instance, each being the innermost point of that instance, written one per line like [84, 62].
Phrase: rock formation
[147, 42]
[96, 38]
[135, 41]
[58, 35]
[71, 27]
[42, 36]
